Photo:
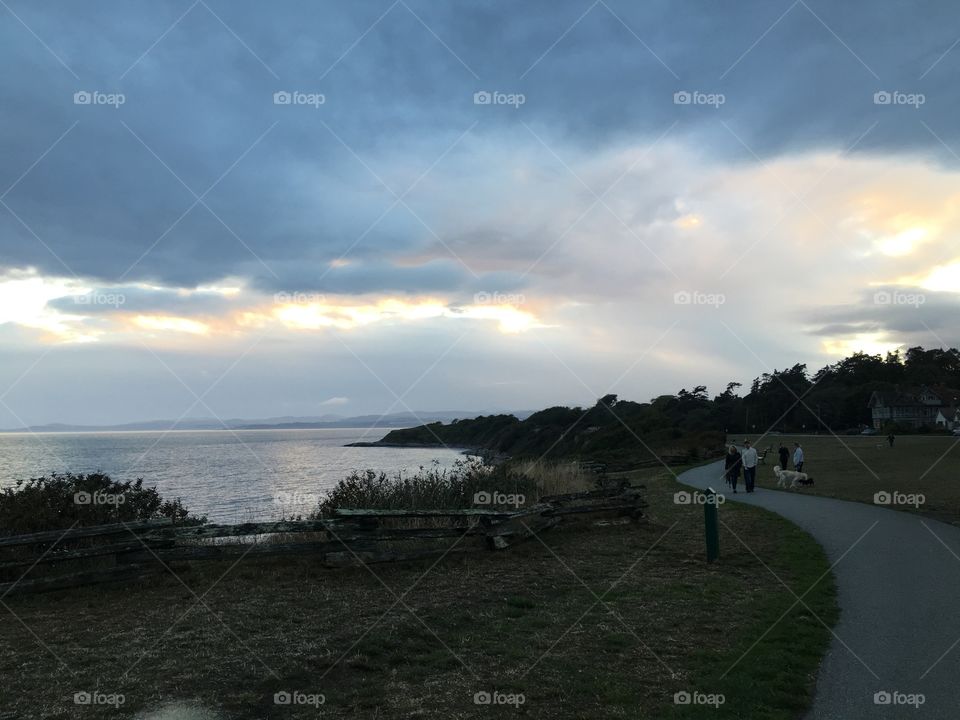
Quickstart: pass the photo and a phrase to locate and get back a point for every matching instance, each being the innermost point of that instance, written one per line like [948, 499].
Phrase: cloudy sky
[249, 209]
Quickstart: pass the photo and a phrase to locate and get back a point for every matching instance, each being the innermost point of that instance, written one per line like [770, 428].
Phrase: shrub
[60, 501]
[430, 488]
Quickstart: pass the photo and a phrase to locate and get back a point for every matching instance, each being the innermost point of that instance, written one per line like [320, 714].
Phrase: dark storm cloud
[286, 189]
[129, 299]
[897, 310]
[440, 275]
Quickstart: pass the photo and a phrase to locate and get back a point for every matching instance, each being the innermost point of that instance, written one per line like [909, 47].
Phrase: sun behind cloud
[171, 324]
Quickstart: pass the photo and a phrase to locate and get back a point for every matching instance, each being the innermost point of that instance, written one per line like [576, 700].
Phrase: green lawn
[857, 467]
[523, 622]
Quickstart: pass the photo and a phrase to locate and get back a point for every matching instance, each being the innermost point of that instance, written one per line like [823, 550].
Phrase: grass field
[858, 467]
[523, 622]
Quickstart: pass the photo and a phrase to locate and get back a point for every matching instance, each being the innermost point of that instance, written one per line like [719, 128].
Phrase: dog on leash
[791, 479]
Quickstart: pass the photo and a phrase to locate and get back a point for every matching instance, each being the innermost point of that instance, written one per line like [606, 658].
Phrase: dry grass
[557, 478]
[856, 467]
[520, 621]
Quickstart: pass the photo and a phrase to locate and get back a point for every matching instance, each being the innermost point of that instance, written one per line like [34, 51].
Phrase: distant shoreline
[27, 432]
[393, 421]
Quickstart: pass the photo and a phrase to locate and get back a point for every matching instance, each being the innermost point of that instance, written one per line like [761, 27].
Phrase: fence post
[710, 524]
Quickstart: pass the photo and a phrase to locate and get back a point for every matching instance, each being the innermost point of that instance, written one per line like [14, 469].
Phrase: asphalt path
[898, 583]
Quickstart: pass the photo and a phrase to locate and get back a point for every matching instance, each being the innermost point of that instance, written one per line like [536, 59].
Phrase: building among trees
[948, 417]
[915, 407]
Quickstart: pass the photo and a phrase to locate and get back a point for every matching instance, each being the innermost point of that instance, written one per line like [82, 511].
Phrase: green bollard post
[711, 524]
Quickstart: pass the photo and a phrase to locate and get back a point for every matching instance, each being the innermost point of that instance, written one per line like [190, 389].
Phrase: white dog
[790, 478]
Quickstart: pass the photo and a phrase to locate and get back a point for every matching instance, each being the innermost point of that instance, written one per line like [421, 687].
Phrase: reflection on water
[229, 476]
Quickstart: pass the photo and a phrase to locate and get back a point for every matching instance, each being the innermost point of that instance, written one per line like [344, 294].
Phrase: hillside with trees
[615, 432]
[691, 425]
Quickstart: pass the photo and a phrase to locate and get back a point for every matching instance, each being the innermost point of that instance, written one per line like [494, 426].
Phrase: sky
[241, 209]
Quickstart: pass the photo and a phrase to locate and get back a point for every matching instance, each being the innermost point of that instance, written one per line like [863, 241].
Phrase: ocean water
[231, 477]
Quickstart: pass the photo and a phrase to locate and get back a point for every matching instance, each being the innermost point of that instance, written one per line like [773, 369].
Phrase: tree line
[690, 424]
[835, 398]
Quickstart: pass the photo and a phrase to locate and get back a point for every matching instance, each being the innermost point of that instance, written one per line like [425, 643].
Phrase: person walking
[749, 459]
[798, 457]
[890, 439]
[784, 456]
[731, 466]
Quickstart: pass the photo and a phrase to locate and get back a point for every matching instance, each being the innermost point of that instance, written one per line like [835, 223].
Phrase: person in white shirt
[798, 458]
[749, 459]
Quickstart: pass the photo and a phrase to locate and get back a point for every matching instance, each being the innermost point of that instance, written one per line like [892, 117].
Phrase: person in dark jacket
[731, 466]
[784, 456]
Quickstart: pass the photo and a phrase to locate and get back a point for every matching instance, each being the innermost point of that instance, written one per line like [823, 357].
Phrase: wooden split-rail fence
[58, 559]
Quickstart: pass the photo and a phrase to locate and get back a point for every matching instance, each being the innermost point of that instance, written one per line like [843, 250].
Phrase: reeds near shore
[469, 483]
[557, 478]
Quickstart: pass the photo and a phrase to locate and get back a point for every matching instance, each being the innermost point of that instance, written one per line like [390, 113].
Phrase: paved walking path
[898, 582]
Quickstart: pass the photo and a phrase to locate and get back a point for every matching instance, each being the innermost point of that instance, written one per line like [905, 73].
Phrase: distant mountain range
[394, 420]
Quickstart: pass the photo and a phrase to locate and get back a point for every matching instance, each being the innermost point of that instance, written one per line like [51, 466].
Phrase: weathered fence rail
[58, 536]
[59, 559]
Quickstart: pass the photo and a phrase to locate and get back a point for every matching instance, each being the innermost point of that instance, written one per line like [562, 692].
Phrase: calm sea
[229, 476]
